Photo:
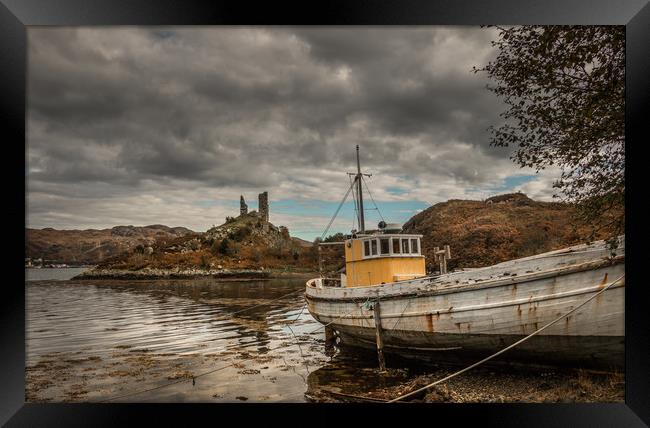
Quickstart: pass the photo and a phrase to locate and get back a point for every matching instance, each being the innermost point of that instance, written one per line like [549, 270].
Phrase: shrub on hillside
[240, 233]
[215, 247]
[205, 261]
[228, 248]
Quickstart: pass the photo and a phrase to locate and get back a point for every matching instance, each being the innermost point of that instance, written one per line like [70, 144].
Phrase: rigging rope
[354, 199]
[337, 212]
[373, 199]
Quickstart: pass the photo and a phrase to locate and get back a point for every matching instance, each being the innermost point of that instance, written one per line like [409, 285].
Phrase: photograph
[325, 214]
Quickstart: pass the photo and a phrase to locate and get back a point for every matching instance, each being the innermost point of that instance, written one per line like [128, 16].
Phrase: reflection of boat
[475, 312]
[348, 379]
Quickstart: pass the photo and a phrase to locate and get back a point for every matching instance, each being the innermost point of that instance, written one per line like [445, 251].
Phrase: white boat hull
[478, 312]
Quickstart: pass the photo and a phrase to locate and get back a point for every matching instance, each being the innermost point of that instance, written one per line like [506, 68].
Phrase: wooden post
[320, 261]
[441, 256]
[330, 337]
[446, 256]
[380, 341]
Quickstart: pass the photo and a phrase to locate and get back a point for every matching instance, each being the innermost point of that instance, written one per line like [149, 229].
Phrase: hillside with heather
[504, 227]
[92, 246]
[246, 245]
[480, 233]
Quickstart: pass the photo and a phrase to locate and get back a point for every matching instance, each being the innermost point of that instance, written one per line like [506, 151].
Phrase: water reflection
[353, 373]
[178, 317]
[91, 340]
[146, 341]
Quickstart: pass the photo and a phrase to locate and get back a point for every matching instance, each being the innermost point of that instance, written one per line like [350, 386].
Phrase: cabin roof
[386, 235]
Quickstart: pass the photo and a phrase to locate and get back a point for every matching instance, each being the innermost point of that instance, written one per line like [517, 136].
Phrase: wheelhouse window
[390, 246]
[405, 246]
[414, 246]
[384, 246]
[396, 246]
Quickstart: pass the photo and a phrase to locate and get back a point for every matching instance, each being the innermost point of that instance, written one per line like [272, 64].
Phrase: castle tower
[243, 208]
[264, 205]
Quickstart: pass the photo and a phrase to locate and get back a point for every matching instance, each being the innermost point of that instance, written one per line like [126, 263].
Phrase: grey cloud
[132, 111]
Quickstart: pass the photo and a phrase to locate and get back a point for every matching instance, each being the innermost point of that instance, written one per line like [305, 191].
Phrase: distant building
[263, 199]
[243, 208]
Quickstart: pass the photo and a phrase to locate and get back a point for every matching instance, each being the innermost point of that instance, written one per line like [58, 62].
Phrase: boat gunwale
[478, 307]
[488, 283]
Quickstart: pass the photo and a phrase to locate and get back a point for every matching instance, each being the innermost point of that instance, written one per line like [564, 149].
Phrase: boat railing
[324, 282]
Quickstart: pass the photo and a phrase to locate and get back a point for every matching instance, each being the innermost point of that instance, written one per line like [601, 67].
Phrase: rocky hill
[480, 233]
[91, 246]
[504, 227]
[247, 243]
[302, 242]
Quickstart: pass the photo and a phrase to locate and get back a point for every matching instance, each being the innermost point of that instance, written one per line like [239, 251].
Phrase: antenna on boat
[362, 226]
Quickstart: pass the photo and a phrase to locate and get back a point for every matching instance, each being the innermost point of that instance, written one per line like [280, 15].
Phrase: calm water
[57, 274]
[96, 340]
[144, 341]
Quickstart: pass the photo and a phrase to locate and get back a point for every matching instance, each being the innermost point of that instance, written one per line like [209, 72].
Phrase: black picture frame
[16, 15]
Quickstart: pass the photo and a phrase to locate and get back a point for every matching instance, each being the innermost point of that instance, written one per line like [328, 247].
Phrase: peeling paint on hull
[480, 312]
[584, 351]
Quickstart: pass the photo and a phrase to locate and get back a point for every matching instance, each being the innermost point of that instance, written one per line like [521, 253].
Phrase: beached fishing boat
[385, 300]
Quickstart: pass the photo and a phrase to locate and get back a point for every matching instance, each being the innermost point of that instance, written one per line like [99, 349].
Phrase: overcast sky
[170, 125]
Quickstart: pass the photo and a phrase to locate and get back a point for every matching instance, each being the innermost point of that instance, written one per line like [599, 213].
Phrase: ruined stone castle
[263, 203]
[243, 208]
[263, 199]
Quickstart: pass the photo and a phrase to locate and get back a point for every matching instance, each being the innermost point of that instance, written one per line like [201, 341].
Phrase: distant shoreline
[61, 267]
[152, 274]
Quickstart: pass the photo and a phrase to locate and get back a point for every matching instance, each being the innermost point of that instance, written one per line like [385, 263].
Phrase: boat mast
[362, 225]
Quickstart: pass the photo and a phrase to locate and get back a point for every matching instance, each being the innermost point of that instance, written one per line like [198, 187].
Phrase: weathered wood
[481, 308]
[320, 260]
[330, 336]
[443, 261]
[378, 332]
[357, 397]
[441, 256]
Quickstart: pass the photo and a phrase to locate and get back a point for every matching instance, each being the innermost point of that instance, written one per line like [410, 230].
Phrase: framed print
[273, 206]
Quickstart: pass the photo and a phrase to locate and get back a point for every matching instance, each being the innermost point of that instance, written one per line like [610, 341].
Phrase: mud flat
[137, 375]
[482, 385]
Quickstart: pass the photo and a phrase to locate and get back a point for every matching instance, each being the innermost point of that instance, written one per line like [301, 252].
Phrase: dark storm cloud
[137, 111]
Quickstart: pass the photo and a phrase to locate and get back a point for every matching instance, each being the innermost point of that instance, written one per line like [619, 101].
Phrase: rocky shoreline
[190, 273]
[481, 385]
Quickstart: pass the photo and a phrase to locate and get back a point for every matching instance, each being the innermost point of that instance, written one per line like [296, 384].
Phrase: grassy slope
[481, 233]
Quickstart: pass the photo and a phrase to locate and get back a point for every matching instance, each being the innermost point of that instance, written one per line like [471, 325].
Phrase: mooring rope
[211, 371]
[424, 388]
[261, 304]
[298, 343]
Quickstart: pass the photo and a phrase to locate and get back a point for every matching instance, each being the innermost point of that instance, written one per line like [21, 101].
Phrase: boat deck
[574, 258]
